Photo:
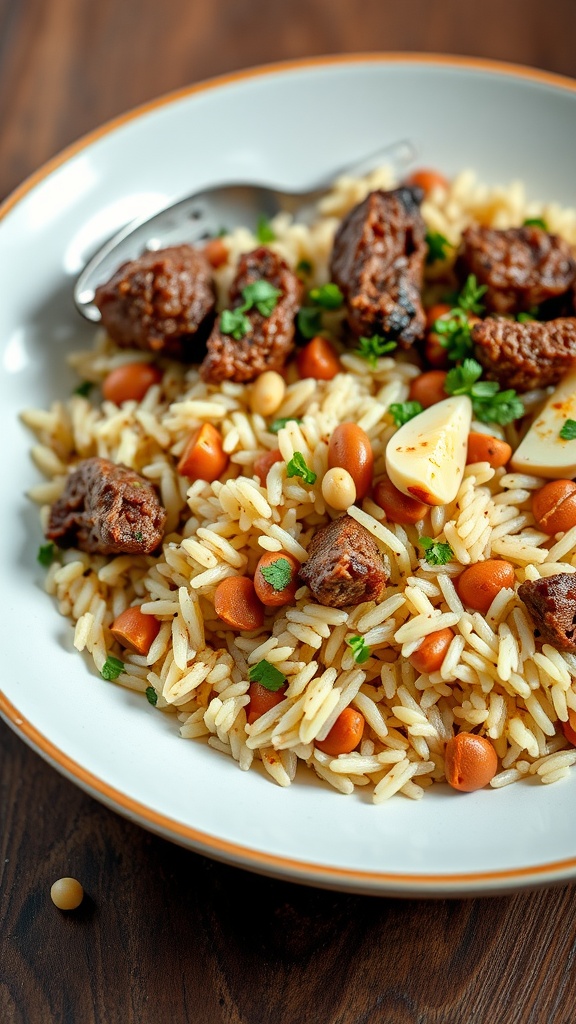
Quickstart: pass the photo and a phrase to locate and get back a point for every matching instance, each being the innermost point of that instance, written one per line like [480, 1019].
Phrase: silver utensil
[206, 213]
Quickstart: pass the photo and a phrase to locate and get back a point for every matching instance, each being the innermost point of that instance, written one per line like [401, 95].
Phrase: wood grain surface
[164, 935]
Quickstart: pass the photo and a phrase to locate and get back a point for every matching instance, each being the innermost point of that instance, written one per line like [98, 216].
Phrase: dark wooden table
[165, 935]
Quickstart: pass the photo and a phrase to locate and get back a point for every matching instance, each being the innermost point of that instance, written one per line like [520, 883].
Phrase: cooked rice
[492, 679]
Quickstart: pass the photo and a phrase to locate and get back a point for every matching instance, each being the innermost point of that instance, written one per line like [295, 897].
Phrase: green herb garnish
[535, 222]
[267, 675]
[435, 552]
[234, 323]
[525, 318]
[111, 668]
[264, 231]
[297, 467]
[359, 648]
[371, 349]
[279, 423]
[328, 296]
[151, 696]
[261, 294]
[455, 334]
[568, 432]
[469, 297]
[278, 574]
[309, 321]
[437, 246]
[490, 405]
[138, 535]
[304, 268]
[84, 388]
[401, 412]
[46, 553]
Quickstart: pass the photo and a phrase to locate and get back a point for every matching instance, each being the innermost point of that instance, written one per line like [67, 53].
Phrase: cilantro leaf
[328, 296]
[264, 232]
[309, 321]
[84, 388]
[469, 297]
[437, 246]
[297, 467]
[460, 379]
[235, 323]
[278, 574]
[359, 648]
[372, 348]
[455, 334]
[490, 405]
[267, 675]
[46, 553]
[151, 696]
[435, 552]
[281, 422]
[568, 432]
[535, 222]
[404, 411]
[111, 668]
[261, 294]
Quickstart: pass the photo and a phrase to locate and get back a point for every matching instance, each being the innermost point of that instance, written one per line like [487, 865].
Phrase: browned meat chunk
[521, 267]
[525, 356]
[345, 565]
[551, 602]
[378, 264]
[107, 509]
[269, 339]
[164, 302]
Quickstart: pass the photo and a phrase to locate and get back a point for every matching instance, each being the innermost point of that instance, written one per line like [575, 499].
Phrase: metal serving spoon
[204, 214]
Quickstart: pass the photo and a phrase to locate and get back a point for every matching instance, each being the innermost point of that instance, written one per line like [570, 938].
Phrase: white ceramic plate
[290, 125]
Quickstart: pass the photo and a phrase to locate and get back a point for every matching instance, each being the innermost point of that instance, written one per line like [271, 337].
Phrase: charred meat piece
[345, 565]
[551, 602]
[163, 302]
[378, 264]
[107, 509]
[269, 340]
[521, 267]
[525, 356]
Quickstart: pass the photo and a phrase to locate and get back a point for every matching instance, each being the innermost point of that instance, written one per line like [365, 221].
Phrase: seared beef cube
[163, 302]
[378, 264]
[107, 509]
[269, 339]
[521, 267]
[525, 356]
[345, 565]
[551, 602]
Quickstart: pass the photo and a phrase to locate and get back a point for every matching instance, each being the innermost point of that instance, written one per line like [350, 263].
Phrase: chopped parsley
[297, 467]
[278, 424]
[309, 321]
[111, 668]
[264, 231]
[278, 574]
[437, 246]
[435, 552]
[404, 411]
[568, 432]
[267, 675]
[469, 297]
[455, 334]
[490, 405]
[84, 388]
[151, 696]
[359, 648]
[260, 294]
[328, 296]
[304, 268]
[371, 349]
[46, 553]
[535, 222]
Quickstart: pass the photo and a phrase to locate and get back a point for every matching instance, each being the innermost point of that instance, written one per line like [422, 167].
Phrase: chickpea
[432, 651]
[349, 448]
[554, 506]
[428, 388]
[485, 448]
[479, 584]
[470, 762]
[67, 894]
[267, 393]
[399, 507]
[338, 488]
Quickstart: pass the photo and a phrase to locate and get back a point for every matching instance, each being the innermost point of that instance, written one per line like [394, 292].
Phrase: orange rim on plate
[234, 853]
